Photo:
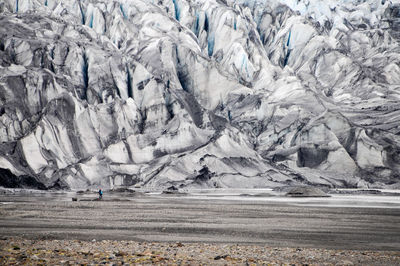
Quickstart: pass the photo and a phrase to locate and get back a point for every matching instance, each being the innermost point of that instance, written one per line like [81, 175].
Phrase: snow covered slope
[200, 93]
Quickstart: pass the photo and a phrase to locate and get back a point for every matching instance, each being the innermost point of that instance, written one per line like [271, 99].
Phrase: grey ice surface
[339, 222]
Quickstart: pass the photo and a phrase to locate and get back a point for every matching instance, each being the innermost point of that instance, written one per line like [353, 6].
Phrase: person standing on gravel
[100, 194]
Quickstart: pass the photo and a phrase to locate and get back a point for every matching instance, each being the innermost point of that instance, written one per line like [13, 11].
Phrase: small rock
[85, 252]
[347, 262]
[172, 188]
[22, 256]
[120, 254]
[219, 257]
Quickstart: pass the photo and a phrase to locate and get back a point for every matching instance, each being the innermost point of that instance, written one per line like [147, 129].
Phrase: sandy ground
[173, 230]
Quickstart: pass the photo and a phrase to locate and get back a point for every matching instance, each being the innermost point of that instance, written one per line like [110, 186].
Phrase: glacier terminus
[200, 93]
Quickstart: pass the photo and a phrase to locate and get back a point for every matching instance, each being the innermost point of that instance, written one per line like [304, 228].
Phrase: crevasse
[285, 61]
[177, 11]
[211, 42]
[196, 25]
[121, 7]
[82, 13]
[85, 74]
[91, 21]
[128, 82]
[288, 40]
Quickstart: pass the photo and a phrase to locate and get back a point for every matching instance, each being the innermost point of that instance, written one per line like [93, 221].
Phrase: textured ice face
[200, 93]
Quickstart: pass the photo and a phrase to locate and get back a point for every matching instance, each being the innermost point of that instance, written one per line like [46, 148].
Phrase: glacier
[200, 93]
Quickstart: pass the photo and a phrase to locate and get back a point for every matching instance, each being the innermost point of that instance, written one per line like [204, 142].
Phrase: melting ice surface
[260, 196]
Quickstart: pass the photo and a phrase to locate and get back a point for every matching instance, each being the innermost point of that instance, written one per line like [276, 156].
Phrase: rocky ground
[16, 251]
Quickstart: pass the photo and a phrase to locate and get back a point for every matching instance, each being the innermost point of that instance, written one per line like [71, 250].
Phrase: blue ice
[177, 11]
[123, 11]
[211, 42]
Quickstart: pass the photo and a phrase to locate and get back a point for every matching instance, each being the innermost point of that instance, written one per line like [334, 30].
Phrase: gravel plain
[140, 229]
